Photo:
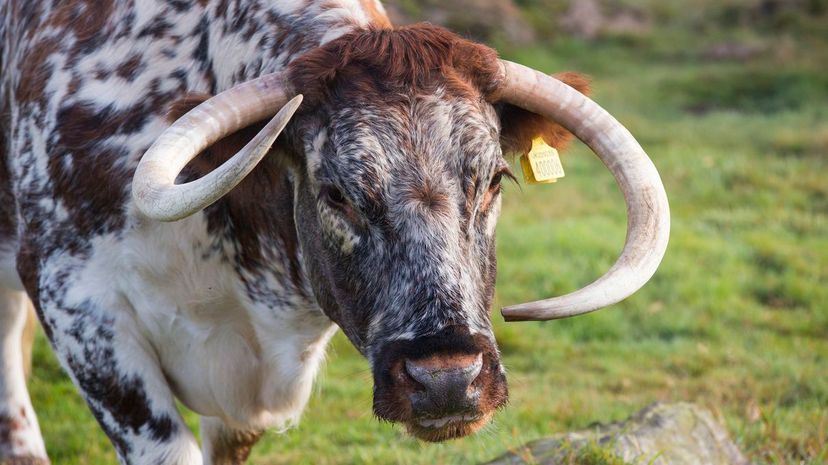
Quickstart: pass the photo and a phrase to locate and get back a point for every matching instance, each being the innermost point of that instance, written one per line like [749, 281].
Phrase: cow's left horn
[154, 189]
[648, 225]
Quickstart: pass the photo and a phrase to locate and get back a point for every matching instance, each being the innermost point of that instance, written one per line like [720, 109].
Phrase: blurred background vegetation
[730, 98]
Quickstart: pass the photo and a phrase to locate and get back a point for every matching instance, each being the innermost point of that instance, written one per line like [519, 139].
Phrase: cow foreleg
[118, 374]
[20, 439]
[225, 446]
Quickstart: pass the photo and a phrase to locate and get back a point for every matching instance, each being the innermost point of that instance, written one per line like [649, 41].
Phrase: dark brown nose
[446, 385]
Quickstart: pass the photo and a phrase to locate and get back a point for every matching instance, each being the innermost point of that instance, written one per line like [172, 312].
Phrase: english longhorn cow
[176, 246]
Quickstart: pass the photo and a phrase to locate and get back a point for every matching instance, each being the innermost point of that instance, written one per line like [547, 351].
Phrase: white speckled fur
[158, 312]
[183, 320]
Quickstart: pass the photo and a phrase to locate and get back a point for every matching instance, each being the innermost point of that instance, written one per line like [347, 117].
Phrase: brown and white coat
[215, 309]
[374, 212]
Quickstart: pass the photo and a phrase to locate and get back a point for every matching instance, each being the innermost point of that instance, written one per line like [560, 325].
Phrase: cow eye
[333, 197]
[495, 187]
[496, 181]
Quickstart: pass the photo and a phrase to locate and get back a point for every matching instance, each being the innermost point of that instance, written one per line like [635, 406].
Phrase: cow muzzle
[439, 395]
[446, 384]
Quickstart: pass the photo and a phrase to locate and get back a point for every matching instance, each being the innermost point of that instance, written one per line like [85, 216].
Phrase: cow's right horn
[648, 214]
[154, 189]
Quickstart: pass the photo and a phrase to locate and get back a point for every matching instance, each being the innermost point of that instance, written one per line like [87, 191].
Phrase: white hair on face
[337, 229]
[314, 154]
[424, 158]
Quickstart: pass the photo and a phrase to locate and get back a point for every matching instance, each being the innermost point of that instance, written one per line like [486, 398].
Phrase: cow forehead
[415, 138]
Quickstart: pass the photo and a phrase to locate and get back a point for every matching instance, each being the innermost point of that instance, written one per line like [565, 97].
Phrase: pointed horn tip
[288, 110]
[516, 313]
[530, 312]
[511, 315]
[296, 100]
[294, 103]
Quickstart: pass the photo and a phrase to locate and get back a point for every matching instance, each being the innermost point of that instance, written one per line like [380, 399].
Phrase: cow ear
[520, 127]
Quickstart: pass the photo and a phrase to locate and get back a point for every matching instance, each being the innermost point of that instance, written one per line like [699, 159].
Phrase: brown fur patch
[233, 447]
[78, 129]
[416, 58]
[127, 69]
[85, 18]
[34, 74]
[409, 58]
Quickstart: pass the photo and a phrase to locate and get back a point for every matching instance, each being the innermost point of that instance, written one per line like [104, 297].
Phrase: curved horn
[648, 225]
[153, 186]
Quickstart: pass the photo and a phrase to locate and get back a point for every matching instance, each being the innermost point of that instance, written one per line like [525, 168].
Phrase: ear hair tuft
[520, 127]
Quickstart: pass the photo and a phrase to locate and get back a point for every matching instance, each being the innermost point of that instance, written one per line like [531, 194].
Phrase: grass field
[736, 319]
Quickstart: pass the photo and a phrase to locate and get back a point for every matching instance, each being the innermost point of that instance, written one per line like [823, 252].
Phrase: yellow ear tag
[542, 165]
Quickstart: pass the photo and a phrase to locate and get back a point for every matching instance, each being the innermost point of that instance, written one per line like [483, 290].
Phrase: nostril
[414, 375]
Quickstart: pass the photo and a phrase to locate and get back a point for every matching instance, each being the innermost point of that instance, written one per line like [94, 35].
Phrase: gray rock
[661, 434]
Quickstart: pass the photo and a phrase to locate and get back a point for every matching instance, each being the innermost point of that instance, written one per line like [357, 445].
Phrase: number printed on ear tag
[542, 165]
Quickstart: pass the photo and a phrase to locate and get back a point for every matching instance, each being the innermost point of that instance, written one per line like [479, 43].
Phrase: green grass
[736, 319]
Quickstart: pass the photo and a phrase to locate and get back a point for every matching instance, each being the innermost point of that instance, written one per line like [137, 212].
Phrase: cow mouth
[448, 427]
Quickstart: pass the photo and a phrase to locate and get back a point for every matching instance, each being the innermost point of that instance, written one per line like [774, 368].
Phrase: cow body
[215, 310]
[374, 212]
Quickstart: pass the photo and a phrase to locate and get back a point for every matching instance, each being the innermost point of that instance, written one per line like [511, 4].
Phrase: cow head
[397, 162]
[399, 171]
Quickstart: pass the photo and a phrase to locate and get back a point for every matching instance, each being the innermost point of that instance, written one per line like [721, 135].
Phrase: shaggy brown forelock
[379, 63]
[416, 57]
